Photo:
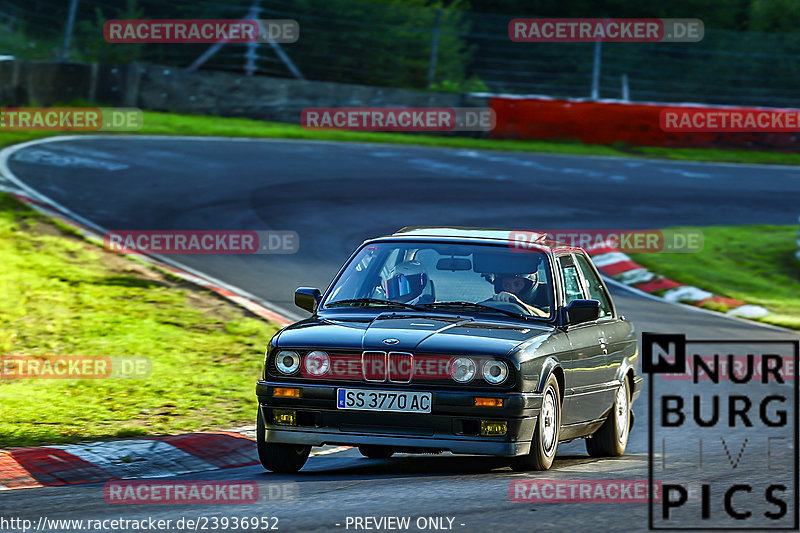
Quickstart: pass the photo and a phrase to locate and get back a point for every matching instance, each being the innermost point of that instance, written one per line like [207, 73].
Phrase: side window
[595, 288]
[572, 281]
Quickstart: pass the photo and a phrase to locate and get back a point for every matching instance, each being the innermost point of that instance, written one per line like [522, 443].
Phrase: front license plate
[383, 400]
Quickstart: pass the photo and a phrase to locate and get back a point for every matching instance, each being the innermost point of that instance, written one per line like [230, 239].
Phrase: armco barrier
[608, 122]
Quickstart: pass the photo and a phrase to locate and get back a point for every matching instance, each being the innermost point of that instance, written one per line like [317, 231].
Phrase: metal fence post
[626, 94]
[252, 48]
[434, 47]
[596, 71]
[73, 7]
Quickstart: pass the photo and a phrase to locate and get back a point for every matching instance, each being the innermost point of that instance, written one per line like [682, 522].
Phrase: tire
[279, 458]
[375, 452]
[612, 437]
[546, 433]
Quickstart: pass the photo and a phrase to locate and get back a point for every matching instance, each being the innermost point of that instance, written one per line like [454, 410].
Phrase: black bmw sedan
[452, 339]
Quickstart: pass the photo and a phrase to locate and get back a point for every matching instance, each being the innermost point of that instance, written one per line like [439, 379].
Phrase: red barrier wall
[608, 122]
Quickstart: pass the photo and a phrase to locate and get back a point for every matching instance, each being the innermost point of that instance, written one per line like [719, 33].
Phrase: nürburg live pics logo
[723, 434]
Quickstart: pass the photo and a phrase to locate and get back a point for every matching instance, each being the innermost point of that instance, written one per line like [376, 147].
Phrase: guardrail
[615, 121]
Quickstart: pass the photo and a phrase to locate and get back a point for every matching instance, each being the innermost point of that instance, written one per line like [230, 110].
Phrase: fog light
[286, 392]
[284, 418]
[493, 428]
[488, 402]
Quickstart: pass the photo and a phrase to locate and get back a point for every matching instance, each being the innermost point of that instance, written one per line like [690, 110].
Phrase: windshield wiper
[368, 301]
[474, 305]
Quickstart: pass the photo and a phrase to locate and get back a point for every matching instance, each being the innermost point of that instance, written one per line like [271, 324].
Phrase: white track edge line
[421, 146]
[5, 171]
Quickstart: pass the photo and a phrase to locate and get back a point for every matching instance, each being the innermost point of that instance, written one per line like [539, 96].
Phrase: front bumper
[452, 425]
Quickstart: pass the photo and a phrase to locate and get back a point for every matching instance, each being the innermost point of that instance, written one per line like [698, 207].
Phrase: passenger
[522, 290]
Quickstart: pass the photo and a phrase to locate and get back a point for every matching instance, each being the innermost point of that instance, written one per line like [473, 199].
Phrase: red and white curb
[150, 457]
[145, 458]
[620, 267]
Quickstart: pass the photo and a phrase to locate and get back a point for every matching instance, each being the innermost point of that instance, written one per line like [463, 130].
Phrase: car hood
[426, 334]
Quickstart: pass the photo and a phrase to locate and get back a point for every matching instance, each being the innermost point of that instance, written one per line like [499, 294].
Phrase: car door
[618, 338]
[584, 371]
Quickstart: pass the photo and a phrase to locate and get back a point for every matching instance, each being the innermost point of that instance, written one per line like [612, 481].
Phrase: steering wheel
[506, 306]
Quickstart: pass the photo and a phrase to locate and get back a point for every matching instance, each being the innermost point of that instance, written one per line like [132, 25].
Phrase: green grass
[754, 264]
[174, 124]
[64, 296]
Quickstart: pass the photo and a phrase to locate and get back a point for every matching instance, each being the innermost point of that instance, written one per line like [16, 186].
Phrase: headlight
[287, 361]
[495, 372]
[317, 363]
[462, 369]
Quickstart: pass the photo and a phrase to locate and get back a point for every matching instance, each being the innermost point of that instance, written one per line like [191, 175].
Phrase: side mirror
[579, 311]
[307, 298]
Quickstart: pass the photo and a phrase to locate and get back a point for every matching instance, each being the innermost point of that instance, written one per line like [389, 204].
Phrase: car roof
[527, 239]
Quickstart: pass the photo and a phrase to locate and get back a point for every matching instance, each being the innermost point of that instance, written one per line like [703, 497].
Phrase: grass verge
[174, 124]
[755, 264]
[65, 296]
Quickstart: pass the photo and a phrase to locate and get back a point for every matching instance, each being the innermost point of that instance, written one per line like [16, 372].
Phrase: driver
[407, 283]
[519, 289]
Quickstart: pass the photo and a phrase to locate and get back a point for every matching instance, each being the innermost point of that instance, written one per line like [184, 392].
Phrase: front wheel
[279, 458]
[612, 437]
[545, 436]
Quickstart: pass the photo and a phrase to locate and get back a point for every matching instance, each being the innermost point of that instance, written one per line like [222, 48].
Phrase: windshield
[472, 278]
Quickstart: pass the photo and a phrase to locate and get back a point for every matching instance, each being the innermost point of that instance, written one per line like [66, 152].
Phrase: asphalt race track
[336, 195]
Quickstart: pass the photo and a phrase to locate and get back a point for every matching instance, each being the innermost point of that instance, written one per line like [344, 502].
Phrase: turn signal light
[286, 392]
[284, 418]
[493, 428]
[488, 402]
